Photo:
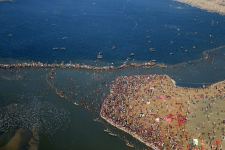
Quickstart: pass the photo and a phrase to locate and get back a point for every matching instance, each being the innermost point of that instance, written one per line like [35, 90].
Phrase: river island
[154, 110]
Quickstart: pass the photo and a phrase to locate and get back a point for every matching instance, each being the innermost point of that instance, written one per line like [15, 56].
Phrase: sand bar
[217, 6]
[77, 66]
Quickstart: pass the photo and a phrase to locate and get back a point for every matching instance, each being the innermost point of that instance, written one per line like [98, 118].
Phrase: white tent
[195, 142]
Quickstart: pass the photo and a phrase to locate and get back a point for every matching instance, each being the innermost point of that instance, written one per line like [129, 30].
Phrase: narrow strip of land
[78, 66]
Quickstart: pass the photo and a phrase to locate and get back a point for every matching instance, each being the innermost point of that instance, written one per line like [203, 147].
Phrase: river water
[69, 30]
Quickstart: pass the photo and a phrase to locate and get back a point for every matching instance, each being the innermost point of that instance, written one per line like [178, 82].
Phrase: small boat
[107, 130]
[52, 74]
[112, 134]
[55, 48]
[75, 103]
[129, 144]
[113, 47]
[51, 77]
[96, 120]
[62, 48]
[132, 54]
[152, 49]
[59, 48]
[61, 94]
[100, 55]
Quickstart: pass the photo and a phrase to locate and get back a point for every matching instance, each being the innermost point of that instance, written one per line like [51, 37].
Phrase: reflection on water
[33, 109]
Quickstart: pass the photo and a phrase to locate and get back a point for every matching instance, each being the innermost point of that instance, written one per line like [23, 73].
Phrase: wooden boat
[100, 55]
[129, 144]
[107, 130]
[132, 54]
[112, 134]
[61, 94]
[152, 49]
[75, 103]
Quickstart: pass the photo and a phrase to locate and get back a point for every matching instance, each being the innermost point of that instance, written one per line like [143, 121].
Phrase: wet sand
[154, 110]
[217, 6]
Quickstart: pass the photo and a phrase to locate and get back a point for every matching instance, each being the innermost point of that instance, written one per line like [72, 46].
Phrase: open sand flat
[217, 6]
[155, 111]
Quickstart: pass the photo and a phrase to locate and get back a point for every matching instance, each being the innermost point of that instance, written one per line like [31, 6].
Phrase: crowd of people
[77, 66]
[154, 110]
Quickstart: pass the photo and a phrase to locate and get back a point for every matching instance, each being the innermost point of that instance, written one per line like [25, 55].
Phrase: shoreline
[134, 135]
[209, 6]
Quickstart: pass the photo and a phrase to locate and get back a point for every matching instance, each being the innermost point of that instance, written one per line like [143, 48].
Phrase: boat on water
[132, 54]
[55, 48]
[129, 144]
[100, 55]
[75, 103]
[59, 48]
[107, 130]
[96, 120]
[62, 48]
[112, 134]
[152, 49]
[51, 76]
[60, 94]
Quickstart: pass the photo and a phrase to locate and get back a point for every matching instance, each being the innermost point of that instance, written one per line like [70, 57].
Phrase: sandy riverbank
[217, 6]
[155, 111]
[136, 136]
